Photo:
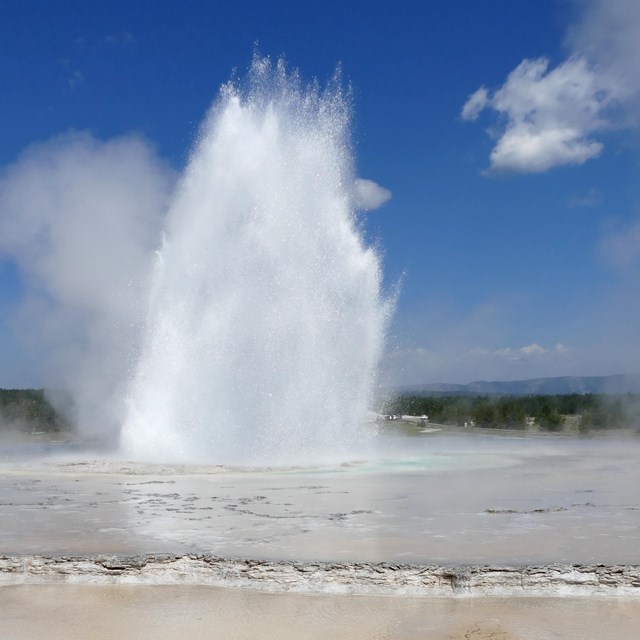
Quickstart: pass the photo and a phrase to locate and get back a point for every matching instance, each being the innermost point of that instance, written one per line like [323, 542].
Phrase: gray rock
[355, 578]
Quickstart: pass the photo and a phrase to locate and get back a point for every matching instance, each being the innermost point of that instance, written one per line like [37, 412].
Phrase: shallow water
[93, 612]
[434, 498]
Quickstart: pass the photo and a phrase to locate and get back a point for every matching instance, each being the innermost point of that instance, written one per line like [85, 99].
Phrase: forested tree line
[591, 411]
[28, 410]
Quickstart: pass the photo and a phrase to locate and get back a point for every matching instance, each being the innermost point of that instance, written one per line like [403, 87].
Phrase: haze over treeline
[29, 411]
[575, 412]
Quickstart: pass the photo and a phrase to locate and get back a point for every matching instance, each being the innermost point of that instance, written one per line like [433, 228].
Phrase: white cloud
[608, 34]
[529, 151]
[474, 105]
[368, 195]
[552, 113]
[461, 365]
[527, 352]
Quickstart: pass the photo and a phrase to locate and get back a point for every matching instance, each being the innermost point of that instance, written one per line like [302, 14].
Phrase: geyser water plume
[266, 320]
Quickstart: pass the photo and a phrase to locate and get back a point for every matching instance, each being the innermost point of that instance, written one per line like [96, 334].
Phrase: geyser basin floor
[169, 612]
[454, 500]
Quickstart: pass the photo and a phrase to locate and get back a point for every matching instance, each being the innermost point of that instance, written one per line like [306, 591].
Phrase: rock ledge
[325, 577]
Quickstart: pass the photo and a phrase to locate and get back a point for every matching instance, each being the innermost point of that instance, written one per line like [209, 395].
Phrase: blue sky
[514, 223]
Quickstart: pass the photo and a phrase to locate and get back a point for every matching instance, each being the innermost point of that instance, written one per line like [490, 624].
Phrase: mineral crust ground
[441, 535]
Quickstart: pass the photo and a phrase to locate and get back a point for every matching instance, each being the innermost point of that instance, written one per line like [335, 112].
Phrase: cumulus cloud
[552, 114]
[81, 218]
[527, 352]
[369, 195]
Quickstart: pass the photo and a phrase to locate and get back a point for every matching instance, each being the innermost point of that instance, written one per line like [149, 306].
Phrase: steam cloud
[82, 219]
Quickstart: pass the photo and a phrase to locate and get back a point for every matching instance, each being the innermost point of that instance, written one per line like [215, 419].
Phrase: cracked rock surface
[333, 577]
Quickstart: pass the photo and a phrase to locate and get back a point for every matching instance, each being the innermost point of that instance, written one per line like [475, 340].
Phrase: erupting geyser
[265, 321]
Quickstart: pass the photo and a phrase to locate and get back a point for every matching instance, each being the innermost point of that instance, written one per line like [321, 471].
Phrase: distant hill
[619, 383]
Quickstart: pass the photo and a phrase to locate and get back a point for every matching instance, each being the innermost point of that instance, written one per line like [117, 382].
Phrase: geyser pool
[265, 316]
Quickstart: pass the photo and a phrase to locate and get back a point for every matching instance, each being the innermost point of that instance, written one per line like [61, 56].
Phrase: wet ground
[432, 498]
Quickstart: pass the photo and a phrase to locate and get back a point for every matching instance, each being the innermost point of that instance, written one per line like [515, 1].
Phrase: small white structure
[417, 419]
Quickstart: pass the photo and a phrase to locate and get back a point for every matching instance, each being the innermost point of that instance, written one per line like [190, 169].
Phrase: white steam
[81, 219]
[266, 321]
[84, 221]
